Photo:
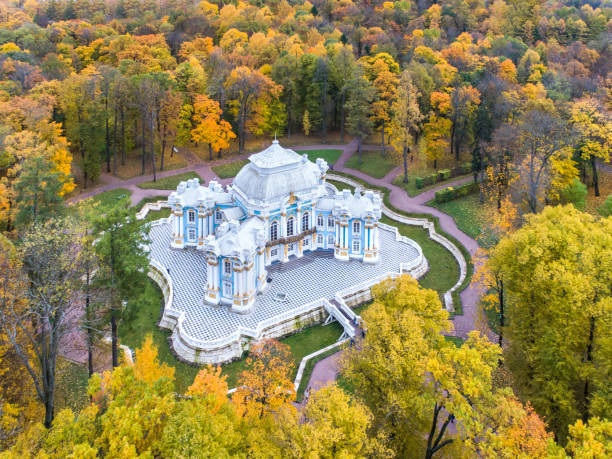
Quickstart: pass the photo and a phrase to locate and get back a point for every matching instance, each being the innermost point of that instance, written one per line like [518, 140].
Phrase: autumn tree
[167, 118]
[556, 272]
[463, 104]
[266, 385]
[209, 127]
[406, 117]
[594, 126]
[385, 83]
[51, 280]
[244, 87]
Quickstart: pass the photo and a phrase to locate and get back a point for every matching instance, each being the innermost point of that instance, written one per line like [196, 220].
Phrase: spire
[275, 139]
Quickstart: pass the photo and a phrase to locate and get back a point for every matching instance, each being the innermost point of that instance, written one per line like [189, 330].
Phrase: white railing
[151, 206]
[302, 367]
[341, 318]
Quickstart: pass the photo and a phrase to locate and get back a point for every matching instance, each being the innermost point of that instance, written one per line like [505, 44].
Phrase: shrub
[444, 174]
[450, 193]
[575, 193]
[419, 183]
[606, 208]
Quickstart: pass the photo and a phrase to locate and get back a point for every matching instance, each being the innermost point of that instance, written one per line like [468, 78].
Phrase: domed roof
[277, 172]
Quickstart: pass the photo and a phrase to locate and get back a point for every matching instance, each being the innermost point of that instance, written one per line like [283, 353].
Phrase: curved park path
[325, 370]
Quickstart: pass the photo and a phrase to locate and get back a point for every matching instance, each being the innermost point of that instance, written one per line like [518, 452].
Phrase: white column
[298, 223]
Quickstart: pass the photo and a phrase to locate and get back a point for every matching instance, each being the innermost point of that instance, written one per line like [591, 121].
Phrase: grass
[470, 216]
[329, 155]
[341, 185]
[169, 183]
[71, 386]
[443, 269]
[108, 198]
[133, 165]
[228, 170]
[150, 199]
[372, 163]
[156, 215]
[411, 188]
[144, 315]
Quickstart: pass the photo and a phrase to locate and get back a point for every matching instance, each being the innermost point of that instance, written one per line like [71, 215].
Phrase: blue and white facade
[277, 208]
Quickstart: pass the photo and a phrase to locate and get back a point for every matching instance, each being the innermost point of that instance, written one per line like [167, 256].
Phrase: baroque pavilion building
[277, 209]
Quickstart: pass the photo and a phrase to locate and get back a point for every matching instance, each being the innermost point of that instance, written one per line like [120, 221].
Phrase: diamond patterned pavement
[304, 281]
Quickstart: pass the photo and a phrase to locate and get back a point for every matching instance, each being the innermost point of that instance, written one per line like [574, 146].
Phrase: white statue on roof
[277, 208]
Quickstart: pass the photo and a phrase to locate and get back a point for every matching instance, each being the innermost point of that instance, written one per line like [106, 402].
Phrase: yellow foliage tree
[209, 127]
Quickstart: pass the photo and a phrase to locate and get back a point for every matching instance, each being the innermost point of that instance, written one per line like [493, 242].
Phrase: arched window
[356, 227]
[330, 240]
[320, 239]
[274, 230]
[191, 216]
[306, 221]
[356, 246]
[290, 226]
[218, 216]
[330, 222]
[320, 221]
[227, 267]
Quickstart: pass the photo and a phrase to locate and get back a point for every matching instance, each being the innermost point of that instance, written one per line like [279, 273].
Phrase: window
[330, 222]
[320, 221]
[227, 267]
[306, 242]
[274, 231]
[305, 221]
[356, 246]
[290, 248]
[330, 240]
[356, 227]
[273, 252]
[191, 216]
[320, 239]
[218, 215]
[227, 288]
[290, 226]
[191, 234]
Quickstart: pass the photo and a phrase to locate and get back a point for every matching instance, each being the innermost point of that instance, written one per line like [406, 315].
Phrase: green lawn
[169, 183]
[144, 316]
[443, 269]
[341, 185]
[156, 215]
[411, 188]
[151, 199]
[470, 216]
[372, 163]
[228, 170]
[329, 155]
[108, 198]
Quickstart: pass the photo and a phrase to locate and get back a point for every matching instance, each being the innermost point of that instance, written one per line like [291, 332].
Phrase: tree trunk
[405, 154]
[114, 343]
[90, 368]
[589, 358]
[435, 445]
[144, 143]
[342, 117]
[210, 156]
[163, 151]
[153, 148]
[359, 148]
[107, 134]
[435, 164]
[595, 177]
[500, 295]
[122, 136]
[115, 143]
[382, 138]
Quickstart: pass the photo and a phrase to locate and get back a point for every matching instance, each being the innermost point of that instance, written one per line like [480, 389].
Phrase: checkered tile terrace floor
[303, 281]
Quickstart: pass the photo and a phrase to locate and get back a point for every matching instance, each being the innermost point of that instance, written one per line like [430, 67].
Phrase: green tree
[557, 273]
[38, 191]
[124, 263]
[360, 94]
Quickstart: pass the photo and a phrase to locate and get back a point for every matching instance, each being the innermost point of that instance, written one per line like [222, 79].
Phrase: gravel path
[326, 370]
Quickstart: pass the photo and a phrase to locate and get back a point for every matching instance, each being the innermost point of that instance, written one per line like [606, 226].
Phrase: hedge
[450, 193]
[442, 174]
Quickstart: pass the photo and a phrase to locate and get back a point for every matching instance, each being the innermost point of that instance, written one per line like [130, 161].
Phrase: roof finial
[275, 139]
